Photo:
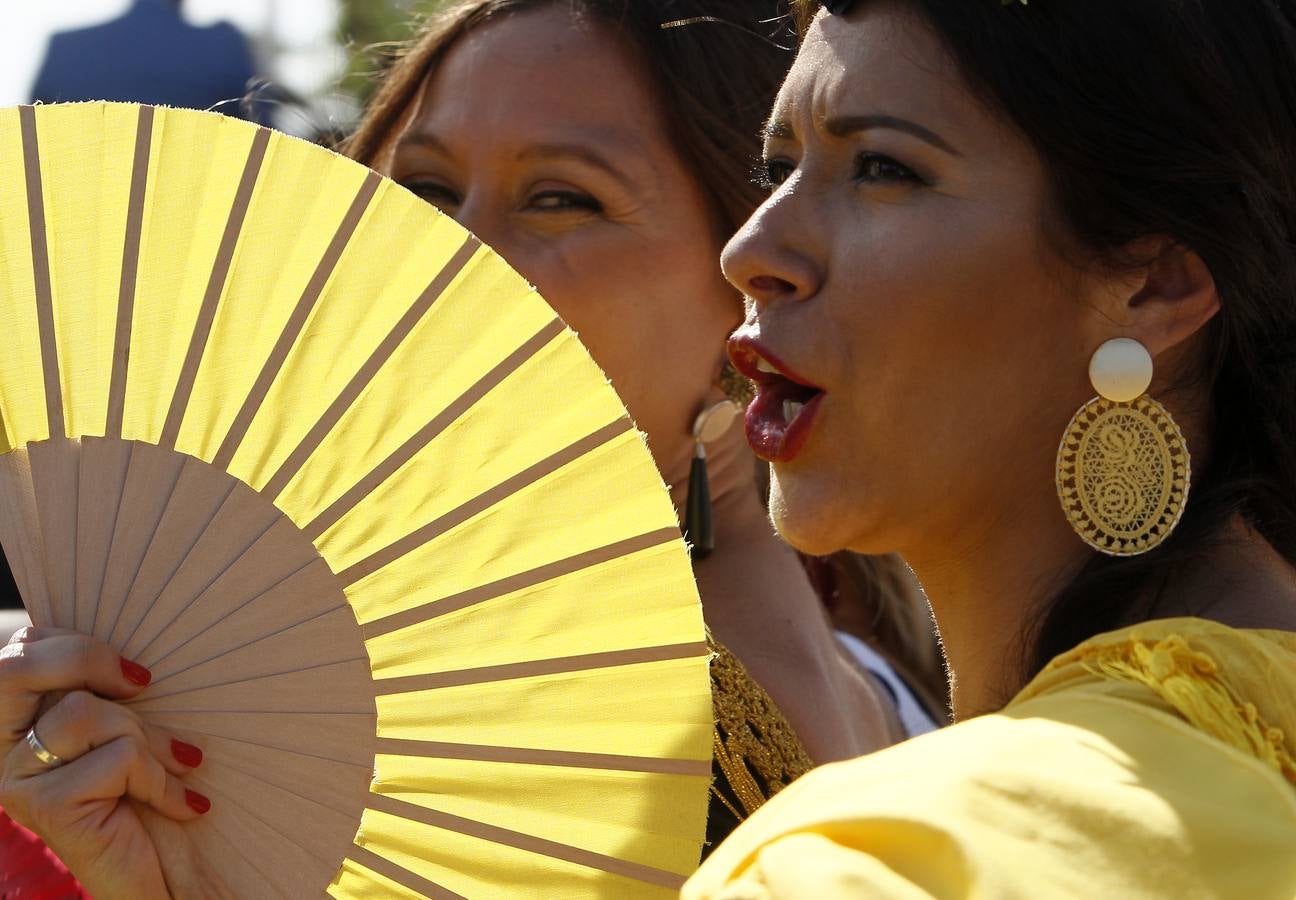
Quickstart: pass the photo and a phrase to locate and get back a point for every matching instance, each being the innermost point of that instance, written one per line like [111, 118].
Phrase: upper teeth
[764, 366]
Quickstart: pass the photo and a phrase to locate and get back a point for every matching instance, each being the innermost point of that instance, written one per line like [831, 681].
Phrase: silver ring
[42, 752]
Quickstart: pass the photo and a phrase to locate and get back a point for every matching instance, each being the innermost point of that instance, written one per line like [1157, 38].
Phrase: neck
[988, 587]
[748, 550]
[985, 584]
[759, 603]
[1239, 580]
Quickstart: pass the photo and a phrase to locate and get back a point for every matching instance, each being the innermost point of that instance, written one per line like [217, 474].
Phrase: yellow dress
[1155, 761]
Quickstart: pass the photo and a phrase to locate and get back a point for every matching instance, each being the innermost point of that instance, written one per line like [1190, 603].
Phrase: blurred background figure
[151, 54]
[308, 74]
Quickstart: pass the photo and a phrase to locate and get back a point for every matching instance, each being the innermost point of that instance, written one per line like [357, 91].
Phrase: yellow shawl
[1156, 761]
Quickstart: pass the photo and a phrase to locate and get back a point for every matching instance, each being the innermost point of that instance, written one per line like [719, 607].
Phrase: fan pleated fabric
[396, 556]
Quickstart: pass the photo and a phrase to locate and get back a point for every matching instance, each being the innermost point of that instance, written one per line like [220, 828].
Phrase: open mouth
[781, 416]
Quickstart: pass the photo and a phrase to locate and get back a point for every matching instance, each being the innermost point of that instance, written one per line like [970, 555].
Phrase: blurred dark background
[303, 66]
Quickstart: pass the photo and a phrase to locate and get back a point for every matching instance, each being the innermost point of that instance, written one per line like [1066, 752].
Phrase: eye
[564, 201]
[874, 168]
[433, 192]
[771, 173]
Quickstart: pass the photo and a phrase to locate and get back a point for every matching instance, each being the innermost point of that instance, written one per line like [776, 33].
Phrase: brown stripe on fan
[402, 876]
[428, 432]
[215, 287]
[608, 659]
[525, 756]
[372, 366]
[538, 575]
[553, 849]
[41, 271]
[53, 462]
[129, 272]
[484, 501]
[297, 321]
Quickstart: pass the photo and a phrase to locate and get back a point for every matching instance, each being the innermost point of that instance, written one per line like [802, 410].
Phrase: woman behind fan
[604, 148]
[992, 224]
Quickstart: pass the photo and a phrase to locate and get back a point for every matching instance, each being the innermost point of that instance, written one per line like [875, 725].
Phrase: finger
[81, 722]
[127, 767]
[124, 767]
[177, 756]
[69, 662]
[29, 633]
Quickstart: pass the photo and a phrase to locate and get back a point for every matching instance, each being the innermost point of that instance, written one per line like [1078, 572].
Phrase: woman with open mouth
[1022, 308]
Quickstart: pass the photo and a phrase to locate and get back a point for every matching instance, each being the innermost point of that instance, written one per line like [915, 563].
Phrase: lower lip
[773, 439]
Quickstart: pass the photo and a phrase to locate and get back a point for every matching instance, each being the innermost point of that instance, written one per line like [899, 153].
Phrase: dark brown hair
[718, 65]
[1172, 118]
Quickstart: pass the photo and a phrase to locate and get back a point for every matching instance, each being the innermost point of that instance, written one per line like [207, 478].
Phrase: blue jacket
[148, 55]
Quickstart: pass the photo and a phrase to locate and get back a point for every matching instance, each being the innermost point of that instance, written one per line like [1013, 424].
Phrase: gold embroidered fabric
[757, 752]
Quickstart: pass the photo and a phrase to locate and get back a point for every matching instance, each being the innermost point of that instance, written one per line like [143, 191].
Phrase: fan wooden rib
[393, 551]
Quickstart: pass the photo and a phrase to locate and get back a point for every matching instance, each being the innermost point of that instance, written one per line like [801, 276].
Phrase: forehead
[879, 59]
[542, 70]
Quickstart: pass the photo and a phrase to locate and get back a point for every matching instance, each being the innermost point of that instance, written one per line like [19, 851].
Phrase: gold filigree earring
[1123, 467]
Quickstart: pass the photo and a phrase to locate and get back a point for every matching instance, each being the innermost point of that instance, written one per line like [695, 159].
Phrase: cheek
[600, 284]
[945, 333]
[653, 318]
[949, 304]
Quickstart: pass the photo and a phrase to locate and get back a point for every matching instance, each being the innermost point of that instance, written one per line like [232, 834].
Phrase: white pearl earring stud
[1121, 370]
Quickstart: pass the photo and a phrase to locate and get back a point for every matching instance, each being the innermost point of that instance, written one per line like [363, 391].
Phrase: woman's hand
[109, 756]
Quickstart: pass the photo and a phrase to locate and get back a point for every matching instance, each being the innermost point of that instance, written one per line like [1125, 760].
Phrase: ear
[1173, 302]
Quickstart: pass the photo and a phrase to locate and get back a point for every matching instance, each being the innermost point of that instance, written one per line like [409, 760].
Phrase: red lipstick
[781, 416]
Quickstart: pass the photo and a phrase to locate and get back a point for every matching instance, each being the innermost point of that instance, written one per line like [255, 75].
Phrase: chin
[807, 522]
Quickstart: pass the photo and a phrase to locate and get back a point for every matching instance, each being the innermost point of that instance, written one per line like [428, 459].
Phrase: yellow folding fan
[397, 558]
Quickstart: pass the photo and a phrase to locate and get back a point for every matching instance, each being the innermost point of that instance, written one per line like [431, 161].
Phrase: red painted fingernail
[197, 802]
[186, 754]
[135, 673]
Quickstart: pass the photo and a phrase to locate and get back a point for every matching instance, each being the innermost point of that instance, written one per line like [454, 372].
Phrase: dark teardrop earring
[699, 530]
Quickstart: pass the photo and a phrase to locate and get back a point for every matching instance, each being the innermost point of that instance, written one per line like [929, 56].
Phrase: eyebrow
[847, 125]
[532, 153]
[578, 152]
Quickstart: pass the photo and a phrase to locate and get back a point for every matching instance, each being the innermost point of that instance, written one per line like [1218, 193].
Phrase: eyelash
[898, 171]
[884, 170]
[569, 200]
[430, 191]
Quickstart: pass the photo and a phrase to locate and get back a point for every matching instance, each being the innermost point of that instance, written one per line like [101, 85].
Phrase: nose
[472, 214]
[765, 261]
